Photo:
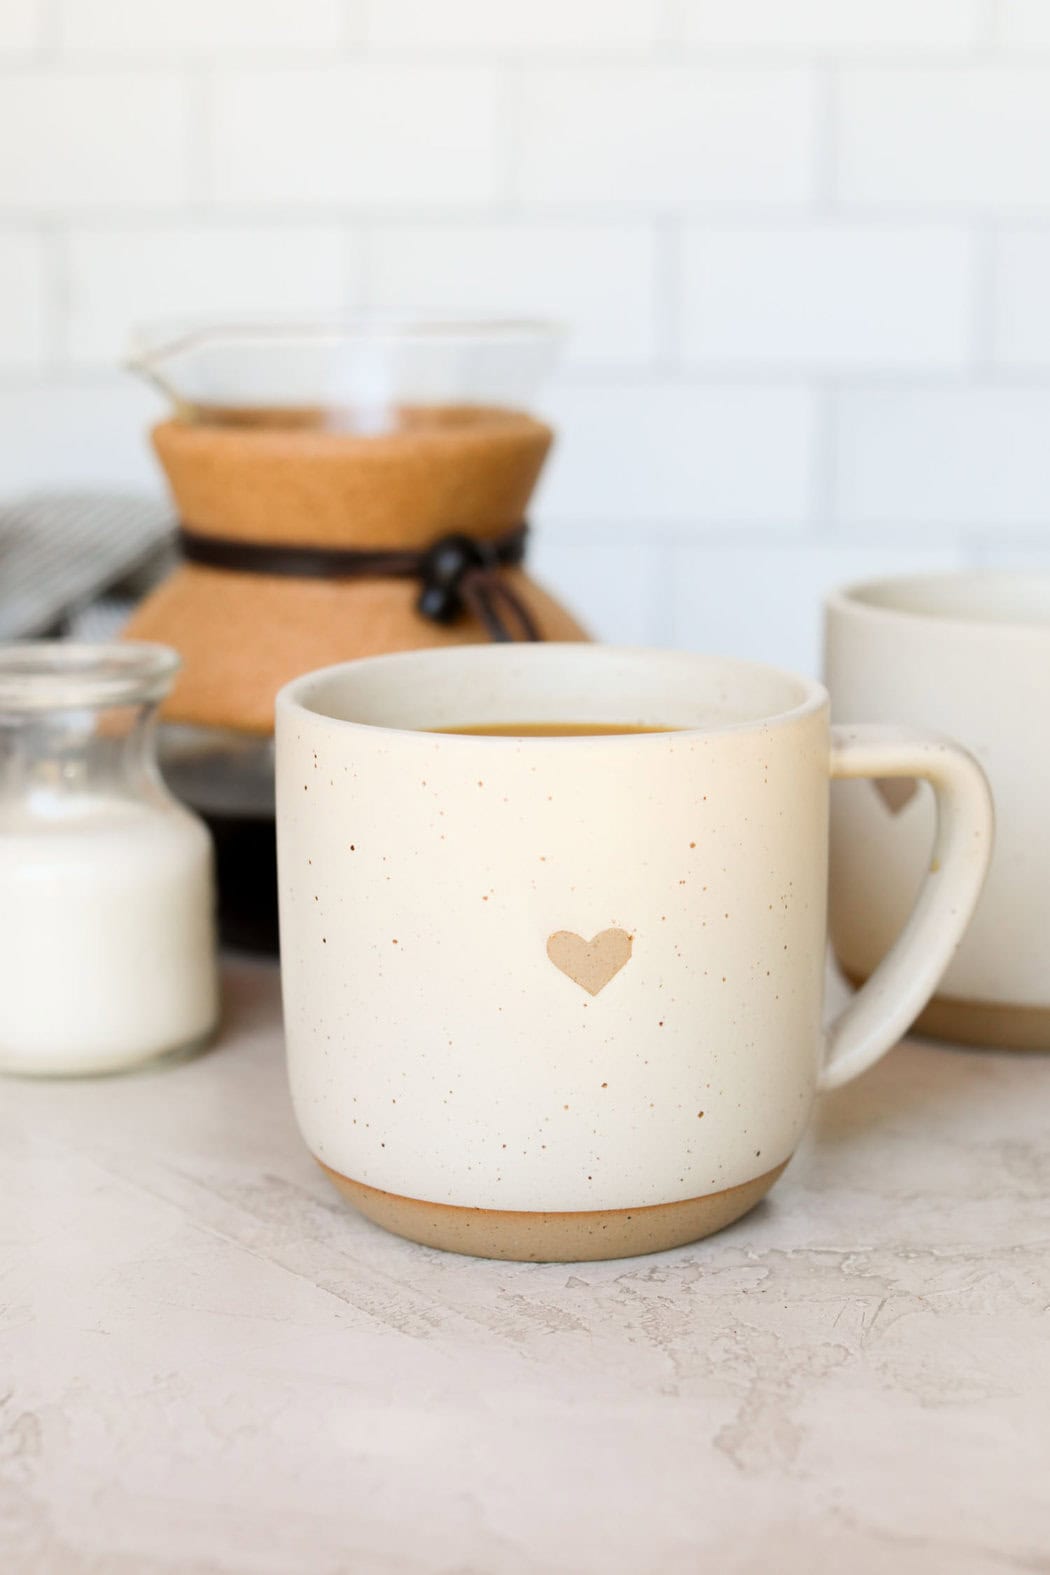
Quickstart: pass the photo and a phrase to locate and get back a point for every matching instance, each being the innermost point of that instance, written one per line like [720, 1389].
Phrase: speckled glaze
[968, 654]
[448, 1045]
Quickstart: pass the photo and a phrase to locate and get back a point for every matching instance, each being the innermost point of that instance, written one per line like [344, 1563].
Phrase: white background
[805, 245]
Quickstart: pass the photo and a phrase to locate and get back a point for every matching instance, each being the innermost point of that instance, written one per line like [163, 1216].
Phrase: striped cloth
[75, 563]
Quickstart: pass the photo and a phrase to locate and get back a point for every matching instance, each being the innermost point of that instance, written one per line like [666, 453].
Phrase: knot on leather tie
[457, 573]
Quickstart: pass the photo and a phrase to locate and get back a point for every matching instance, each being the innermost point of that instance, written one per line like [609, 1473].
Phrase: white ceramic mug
[561, 998]
[969, 654]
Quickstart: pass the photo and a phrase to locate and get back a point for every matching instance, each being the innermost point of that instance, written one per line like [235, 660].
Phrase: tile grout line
[366, 280]
[199, 86]
[669, 29]
[602, 214]
[661, 616]
[644, 377]
[660, 54]
[356, 24]
[50, 30]
[985, 245]
[57, 294]
[991, 26]
[667, 285]
[825, 468]
[509, 134]
[826, 140]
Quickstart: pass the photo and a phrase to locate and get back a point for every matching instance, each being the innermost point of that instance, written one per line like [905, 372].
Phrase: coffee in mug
[552, 729]
[560, 997]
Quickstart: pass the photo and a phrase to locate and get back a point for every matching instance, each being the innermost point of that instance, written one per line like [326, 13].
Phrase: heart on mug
[590, 964]
[896, 792]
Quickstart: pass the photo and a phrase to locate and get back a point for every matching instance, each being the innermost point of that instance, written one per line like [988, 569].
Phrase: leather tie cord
[455, 573]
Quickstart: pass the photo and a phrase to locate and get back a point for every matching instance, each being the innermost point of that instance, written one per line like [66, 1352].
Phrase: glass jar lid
[52, 675]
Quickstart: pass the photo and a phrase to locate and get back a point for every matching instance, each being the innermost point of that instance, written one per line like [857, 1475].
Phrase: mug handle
[885, 1007]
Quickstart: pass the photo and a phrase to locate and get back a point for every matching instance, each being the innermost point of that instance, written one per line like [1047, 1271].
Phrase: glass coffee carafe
[342, 491]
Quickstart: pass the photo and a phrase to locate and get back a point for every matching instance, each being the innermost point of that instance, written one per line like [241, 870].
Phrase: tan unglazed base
[554, 1238]
[981, 1023]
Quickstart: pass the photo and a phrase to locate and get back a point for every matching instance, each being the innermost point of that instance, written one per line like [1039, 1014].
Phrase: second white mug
[968, 654]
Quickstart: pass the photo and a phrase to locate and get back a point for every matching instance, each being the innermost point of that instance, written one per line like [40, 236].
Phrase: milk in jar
[106, 884]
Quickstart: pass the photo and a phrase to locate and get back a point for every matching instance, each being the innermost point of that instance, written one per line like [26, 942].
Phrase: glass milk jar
[107, 945]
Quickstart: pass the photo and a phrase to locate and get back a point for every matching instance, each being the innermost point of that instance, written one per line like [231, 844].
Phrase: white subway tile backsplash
[803, 249]
[23, 302]
[614, 588]
[1021, 555]
[600, 280]
[828, 295]
[946, 137]
[21, 23]
[847, 25]
[541, 24]
[360, 133]
[964, 457]
[72, 435]
[668, 134]
[1025, 24]
[120, 278]
[72, 139]
[764, 601]
[655, 454]
[1021, 309]
[162, 27]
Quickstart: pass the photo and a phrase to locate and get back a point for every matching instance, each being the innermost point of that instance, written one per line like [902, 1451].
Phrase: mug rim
[813, 695]
[860, 599]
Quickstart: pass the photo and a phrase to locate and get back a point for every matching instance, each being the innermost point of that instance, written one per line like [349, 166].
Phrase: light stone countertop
[208, 1364]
